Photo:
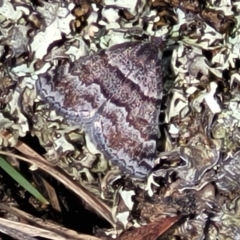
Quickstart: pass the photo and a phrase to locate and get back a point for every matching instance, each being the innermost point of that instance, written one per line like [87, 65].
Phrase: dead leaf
[150, 231]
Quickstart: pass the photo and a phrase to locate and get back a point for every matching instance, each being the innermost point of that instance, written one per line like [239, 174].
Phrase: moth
[114, 95]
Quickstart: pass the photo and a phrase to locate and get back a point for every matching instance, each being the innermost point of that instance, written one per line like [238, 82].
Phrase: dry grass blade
[25, 231]
[33, 158]
[52, 195]
[39, 227]
[150, 231]
[11, 231]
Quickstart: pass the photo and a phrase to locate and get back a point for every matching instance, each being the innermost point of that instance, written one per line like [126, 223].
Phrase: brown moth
[114, 95]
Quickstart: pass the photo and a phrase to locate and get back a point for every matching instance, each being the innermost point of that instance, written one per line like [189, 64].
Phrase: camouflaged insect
[114, 95]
